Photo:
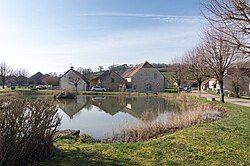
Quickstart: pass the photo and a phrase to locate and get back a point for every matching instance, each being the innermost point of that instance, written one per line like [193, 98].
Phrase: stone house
[73, 80]
[108, 79]
[37, 79]
[241, 75]
[144, 78]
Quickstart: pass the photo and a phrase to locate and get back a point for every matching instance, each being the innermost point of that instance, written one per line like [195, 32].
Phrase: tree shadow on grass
[85, 158]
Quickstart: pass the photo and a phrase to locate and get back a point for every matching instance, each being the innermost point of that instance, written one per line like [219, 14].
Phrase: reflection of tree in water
[72, 106]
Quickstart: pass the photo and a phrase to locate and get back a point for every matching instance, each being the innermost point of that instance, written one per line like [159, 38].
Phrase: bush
[85, 138]
[12, 88]
[27, 129]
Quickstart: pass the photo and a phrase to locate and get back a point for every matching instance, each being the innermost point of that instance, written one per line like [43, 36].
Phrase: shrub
[85, 138]
[27, 129]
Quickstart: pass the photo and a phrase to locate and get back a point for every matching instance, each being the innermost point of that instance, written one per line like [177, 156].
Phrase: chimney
[72, 67]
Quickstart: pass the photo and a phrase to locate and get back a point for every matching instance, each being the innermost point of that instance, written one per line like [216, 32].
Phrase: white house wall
[65, 84]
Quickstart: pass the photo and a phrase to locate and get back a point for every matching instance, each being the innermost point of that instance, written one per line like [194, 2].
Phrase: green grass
[171, 90]
[217, 94]
[244, 97]
[26, 91]
[223, 142]
[212, 93]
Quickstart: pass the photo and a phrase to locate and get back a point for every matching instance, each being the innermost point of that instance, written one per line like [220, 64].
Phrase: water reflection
[73, 106]
[101, 115]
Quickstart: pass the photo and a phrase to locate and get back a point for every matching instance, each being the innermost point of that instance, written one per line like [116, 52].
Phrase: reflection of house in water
[72, 106]
[140, 106]
[135, 106]
[109, 104]
[144, 108]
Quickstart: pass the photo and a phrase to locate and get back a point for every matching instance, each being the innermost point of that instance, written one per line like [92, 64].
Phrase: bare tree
[100, 68]
[234, 15]
[52, 80]
[179, 72]
[197, 66]
[21, 75]
[75, 80]
[54, 74]
[4, 72]
[80, 70]
[86, 72]
[219, 55]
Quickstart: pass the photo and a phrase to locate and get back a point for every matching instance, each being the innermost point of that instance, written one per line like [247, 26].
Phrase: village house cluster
[145, 77]
[142, 78]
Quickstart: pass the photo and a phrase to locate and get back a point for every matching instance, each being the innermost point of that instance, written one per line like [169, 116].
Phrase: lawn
[171, 90]
[223, 142]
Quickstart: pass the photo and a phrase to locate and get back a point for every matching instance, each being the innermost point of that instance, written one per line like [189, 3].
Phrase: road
[233, 100]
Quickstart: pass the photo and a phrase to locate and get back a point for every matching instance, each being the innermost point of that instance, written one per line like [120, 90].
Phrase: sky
[52, 35]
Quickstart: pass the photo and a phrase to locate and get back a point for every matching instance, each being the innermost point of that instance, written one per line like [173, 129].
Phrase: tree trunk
[76, 87]
[179, 85]
[221, 91]
[199, 88]
[3, 81]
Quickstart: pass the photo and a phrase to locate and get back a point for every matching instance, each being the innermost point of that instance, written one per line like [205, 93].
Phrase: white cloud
[162, 17]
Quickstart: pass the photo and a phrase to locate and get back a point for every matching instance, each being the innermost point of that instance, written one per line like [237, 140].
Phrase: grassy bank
[16, 92]
[21, 92]
[223, 142]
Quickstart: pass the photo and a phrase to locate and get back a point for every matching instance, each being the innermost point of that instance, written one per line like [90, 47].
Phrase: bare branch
[234, 17]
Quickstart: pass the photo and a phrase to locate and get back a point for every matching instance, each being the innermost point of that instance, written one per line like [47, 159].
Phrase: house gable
[144, 78]
[66, 84]
[130, 72]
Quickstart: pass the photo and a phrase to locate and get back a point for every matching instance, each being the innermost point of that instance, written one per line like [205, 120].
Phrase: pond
[130, 117]
[100, 116]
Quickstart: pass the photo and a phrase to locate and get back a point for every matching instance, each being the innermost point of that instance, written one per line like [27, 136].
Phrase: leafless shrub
[26, 131]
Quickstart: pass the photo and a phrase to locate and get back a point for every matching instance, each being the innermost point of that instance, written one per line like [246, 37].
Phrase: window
[155, 75]
[112, 80]
[148, 88]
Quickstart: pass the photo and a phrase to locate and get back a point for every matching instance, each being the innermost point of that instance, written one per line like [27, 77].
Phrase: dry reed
[27, 129]
[190, 112]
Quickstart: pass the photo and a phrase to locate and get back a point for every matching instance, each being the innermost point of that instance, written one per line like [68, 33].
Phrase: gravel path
[243, 102]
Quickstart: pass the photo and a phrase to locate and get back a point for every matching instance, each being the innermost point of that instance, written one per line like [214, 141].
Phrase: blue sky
[52, 35]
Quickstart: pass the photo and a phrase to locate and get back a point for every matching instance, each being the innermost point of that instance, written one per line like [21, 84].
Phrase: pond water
[100, 116]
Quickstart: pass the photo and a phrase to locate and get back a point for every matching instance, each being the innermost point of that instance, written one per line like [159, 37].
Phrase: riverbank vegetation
[222, 142]
[23, 92]
[27, 131]
[189, 112]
